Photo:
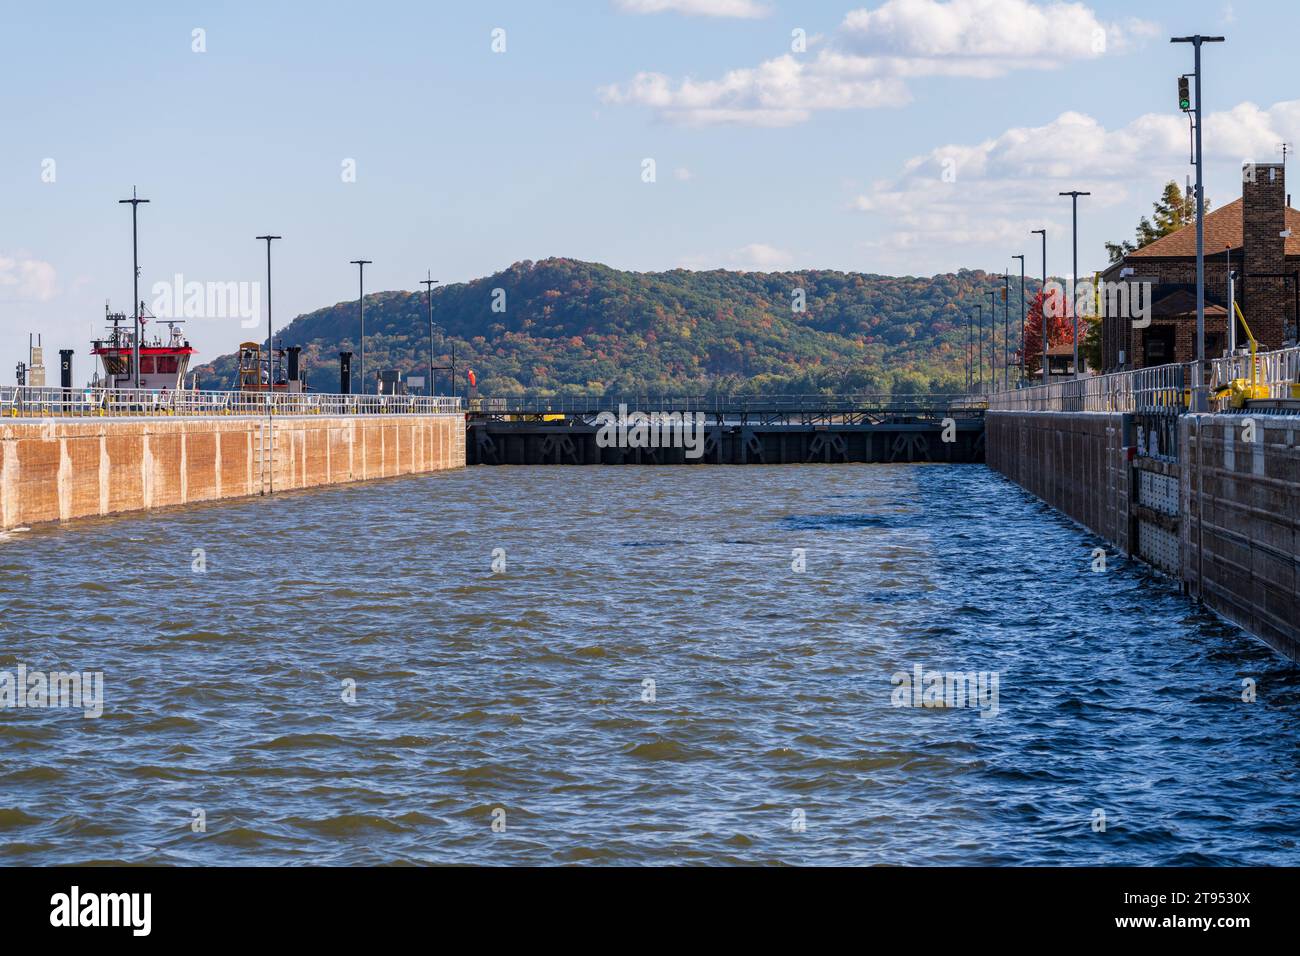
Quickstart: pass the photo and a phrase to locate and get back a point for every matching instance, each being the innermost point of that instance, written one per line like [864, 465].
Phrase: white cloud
[756, 257]
[996, 190]
[761, 256]
[779, 92]
[29, 280]
[740, 9]
[867, 63]
[1005, 34]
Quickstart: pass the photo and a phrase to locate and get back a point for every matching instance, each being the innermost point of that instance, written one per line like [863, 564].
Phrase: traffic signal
[1184, 95]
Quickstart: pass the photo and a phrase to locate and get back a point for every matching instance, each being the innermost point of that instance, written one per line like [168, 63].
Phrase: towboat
[164, 361]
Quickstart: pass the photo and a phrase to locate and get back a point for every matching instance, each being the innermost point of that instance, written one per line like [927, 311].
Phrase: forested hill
[580, 326]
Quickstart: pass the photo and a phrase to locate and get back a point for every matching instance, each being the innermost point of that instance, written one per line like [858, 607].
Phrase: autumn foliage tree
[1060, 326]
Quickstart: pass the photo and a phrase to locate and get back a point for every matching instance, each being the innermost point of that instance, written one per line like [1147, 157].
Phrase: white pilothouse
[163, 364]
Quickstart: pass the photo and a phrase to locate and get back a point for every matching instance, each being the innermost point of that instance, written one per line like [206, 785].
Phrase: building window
[1159, 346]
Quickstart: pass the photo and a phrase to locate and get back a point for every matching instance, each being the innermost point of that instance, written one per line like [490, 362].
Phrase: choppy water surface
[524, 690]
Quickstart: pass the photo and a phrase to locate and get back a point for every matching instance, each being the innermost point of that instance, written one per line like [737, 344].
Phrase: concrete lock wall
[1241, 521]
[1234, 531]
[60, 469]
[1074, 461]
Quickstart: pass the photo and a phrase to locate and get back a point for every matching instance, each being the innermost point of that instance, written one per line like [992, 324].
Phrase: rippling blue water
[523, 690]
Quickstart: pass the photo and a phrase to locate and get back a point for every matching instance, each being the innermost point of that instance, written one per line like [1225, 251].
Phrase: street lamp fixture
[361, 305]
[1042, 311]
[1074, 195]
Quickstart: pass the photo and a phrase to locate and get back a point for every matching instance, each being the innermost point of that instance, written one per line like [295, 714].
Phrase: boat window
[167, 363]
[146, 364]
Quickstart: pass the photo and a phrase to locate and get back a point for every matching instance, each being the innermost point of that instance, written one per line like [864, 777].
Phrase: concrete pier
[61, 469]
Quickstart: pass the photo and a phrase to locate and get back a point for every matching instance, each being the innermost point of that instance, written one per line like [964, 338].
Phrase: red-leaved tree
[1060, 327]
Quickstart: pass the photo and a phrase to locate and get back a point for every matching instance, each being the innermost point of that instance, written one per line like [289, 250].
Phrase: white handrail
[30, 401]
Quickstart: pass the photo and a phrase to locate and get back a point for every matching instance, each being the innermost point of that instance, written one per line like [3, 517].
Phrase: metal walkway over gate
[720, 429]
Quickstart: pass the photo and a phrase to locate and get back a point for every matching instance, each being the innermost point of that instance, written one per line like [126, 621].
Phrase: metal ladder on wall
[264, 454]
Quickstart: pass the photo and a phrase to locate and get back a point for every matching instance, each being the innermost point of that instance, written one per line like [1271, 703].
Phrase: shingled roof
[1222, 229]
[1182, 303]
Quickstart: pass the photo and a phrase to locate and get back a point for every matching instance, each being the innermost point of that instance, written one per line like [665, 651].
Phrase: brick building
[1248, 236]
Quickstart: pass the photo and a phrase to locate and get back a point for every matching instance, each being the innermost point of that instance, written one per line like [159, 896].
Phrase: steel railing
[717, 404]
[1277, 370]
[28, 401]
[1160, 389]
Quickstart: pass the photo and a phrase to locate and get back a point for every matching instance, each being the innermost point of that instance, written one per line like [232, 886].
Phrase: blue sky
[468, 159]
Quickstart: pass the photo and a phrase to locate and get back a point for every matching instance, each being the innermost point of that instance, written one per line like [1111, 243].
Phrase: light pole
[980, 351]
[1232, 299]
[1006, 331]
[970, 340]
[1022, 317]
[1042, 311]
[269, 379]
[993, 340]
[135, 269]
[428, 284]
[361, 303]
[1074, 195]
[1199, 403]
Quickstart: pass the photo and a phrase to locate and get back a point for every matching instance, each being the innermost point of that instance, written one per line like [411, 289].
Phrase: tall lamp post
[1199, 403]
[450, 369]
[970, 340]
[1074, 195]
[1042, 312]
[1022, 317]
[361, 303]
[1232, 297]
[135, 270]
[429, 282]
[1006, 331]
[269, 378]
[993, 341]
[979, 353]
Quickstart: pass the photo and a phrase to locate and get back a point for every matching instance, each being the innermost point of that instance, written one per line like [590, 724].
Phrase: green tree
[1091, 345]
[1172, 211]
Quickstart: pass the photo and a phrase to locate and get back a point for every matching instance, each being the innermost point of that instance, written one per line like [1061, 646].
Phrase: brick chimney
[1266, 299]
